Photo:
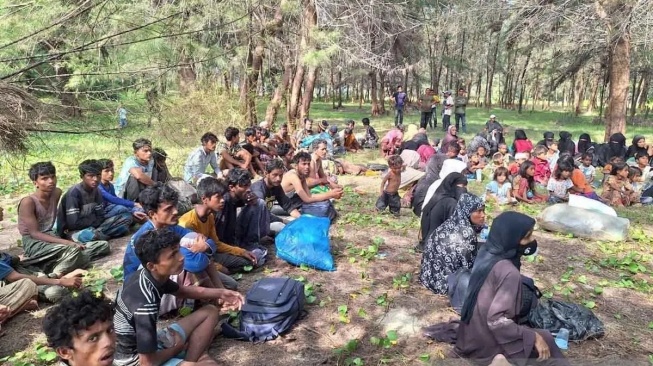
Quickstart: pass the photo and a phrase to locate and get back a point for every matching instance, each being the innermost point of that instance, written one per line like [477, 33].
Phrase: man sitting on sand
[44, 248]
[294, 184]
[81, 213]
[201, 158]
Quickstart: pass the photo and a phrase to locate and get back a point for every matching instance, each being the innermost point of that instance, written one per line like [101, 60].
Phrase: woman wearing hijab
[616, 146]
[452, 246]
[443, 203]
[488, 329]
[452, 135]
[584, 143]
[565, 144]
[548, 139]
[432, 170]
[521, 143]
[638, 146]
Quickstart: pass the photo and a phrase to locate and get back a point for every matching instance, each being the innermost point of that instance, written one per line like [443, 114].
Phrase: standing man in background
[122, 116]
[433, 123]
[461, 107]
[425, 107]
[399, 98]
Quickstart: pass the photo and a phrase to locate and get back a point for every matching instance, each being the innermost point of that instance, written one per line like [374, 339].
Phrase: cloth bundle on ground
[187, 194]
[306, 241]
[583, 223]
[271, 308]
[554, 315]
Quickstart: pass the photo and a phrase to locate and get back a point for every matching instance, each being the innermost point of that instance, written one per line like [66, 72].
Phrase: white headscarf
[449, 166]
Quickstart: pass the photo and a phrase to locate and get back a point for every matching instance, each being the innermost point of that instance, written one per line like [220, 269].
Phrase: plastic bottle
[562, 338]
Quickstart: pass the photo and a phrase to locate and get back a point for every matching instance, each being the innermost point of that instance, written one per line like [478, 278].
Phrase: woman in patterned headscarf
[453, 244]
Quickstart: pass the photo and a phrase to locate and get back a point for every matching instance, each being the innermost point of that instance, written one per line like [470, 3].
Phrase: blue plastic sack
[305, 240]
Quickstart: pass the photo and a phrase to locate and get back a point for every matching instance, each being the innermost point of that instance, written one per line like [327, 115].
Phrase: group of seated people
[174, 257]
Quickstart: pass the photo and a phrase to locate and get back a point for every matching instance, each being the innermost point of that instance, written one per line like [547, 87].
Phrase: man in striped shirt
[137, 309]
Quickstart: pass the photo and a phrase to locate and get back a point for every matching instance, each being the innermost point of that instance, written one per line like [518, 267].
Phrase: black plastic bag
[553, 315]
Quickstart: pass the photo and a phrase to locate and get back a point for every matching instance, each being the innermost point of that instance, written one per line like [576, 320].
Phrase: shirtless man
[231, 154]
[295, 183]
[317, 176]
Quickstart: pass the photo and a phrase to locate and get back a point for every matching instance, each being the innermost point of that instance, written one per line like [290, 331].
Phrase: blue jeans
[122, 122]
[112, 227]
[399, 115]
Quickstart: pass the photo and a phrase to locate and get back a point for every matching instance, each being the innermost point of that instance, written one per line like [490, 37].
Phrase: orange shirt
[578, 179]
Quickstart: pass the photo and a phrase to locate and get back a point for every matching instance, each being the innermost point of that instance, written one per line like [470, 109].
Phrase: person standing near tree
[446, 110]
[425, 107]
[460, 109]
[399, 98]
[122, 116]
[433, 123]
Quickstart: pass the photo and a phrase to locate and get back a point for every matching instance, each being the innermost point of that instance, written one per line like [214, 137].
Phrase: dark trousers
[425, 119]
[391, 200]
[446, 121]
[399, 115]
[460, 117]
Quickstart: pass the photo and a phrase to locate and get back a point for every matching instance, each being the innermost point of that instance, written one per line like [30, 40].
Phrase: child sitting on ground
[462, 155]
[114, 205]
[503, 149]
[560, 184]
[587, 168]
[230, 259]
[523, 185]
[482, 154]
[636, 179]
[499, 188]
[617, 189]
[475, 168]
[389, 196]
[581, 186]
[541, 165]
[552, 155]
[520, 158]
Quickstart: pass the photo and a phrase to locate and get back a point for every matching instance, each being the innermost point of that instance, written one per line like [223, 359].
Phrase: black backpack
[271, 308]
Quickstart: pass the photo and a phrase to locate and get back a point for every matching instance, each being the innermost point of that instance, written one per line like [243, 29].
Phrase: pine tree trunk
[381, 93]
[643, 94]
[309, 86]
[578, 93]
[340, 89]
[637, 86]
[373, 93]
[279, 93]
[619, 75]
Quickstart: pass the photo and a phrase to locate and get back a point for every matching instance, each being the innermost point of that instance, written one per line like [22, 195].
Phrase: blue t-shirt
[122, 112]
[500, 192]
[193, 262]
[400, 98]
[123, 177]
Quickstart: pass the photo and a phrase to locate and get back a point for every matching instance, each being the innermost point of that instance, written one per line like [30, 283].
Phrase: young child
[636, 179]
[552, 155]
[580, 184]
[475, 168]
[138, 302]
[80, 330]
[499, 189]
[503, 149]
[560, 184]
[520, 158]
[114, 205]
[588, 170]
[607, 168]
[541, 165]
[482, 154]
[371, 140]
[462, 155]
[390, 185]
[230, 259]
[523, 185]
[617, 189]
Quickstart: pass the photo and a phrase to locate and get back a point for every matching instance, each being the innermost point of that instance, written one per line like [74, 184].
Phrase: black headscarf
[548, 139]
[616, 146]
[584, 143]
[566, 144]
[634, 149]
[507, 230]
[449, 187]
[520, 135]
[449, 191]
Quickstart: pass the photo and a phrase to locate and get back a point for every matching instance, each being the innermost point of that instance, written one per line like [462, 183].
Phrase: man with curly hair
[80, 330]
